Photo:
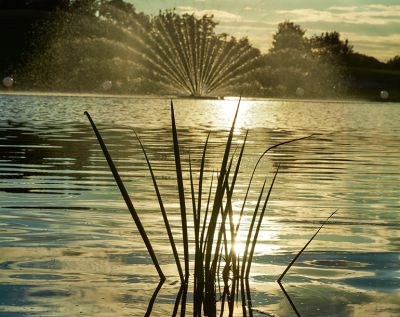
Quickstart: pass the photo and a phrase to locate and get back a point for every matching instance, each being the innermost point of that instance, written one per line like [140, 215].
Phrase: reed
[219, 274]
[163, 212]
[127, 199]
[181, 192]
[302, 250]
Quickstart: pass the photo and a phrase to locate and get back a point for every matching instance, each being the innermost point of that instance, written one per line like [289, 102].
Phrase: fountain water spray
[180, 53]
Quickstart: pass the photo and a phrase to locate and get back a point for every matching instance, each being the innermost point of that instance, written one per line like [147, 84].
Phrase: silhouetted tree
[120, 5]
[394, 62]
[46, 5]
[296, 61]
[288, 59]
[330, 47]
[364, 61]
[85, 7]
[89, 42]
[289, 36]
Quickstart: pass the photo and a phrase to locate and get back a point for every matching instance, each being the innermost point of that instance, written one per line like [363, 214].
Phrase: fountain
[181, 53]
[200, 61]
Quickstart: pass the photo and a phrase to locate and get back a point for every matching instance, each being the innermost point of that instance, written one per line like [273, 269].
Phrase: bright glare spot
[300, 92]
[236, 219]
[227, 109]
[384, 94]
[239, 248]
[8, 82]
[107, 85]
[266, 240]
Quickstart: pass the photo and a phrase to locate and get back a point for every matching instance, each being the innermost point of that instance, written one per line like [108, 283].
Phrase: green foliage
[289, 37]
[331, 48]
[94, 41]
[296, 61]
[84, 43]
[84, 7]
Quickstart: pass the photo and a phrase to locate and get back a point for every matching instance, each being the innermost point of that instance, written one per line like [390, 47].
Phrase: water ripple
[67, 239]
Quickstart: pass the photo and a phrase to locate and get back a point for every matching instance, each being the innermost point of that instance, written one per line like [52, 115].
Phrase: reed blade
[219, 195]
[178, 300]
[250, 232]
[232, 255]
[181, 192]
[289, 299]
[224, 213]
[248, 296]
[201, 176]
[253, 245]
[197, 278]
[302, 250]
[127, 199]
[243, 297]
[195, 218]
[203, 237]
[163, 211]
[184, 299]
[153, 298]
[275, 146]
[255, 168]
[199, 255]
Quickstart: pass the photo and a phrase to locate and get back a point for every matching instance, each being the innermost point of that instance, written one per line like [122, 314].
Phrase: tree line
[81, 45]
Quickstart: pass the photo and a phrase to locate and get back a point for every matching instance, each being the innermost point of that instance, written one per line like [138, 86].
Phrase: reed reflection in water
[67, 243]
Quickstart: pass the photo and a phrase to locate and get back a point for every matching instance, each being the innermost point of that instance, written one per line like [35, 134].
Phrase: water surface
[69, 246]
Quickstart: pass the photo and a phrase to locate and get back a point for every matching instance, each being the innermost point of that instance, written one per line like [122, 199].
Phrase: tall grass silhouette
[218, 272]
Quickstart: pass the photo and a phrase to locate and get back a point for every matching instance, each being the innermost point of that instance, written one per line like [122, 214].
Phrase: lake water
[69, 247]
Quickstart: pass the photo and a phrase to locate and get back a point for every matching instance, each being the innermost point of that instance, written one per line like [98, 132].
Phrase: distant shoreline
[356, 99]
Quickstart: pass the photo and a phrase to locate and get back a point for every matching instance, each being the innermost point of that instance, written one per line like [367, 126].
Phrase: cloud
[382, 47]
[368, 14]
[337, 8]
[363, 23]
[384, 7]
[219, 15]
[383, 40]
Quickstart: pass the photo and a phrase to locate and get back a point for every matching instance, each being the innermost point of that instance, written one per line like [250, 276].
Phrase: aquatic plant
[215, 231]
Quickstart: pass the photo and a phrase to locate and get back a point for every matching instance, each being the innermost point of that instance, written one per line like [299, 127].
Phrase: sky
[372, 27]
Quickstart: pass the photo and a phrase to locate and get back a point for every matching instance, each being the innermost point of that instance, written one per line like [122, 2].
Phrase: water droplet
[8, 82]
[384, 94]
[300, 92]
[107, 85]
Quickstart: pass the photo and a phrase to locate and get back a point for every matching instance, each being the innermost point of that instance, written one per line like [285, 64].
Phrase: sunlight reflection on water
[68, 243]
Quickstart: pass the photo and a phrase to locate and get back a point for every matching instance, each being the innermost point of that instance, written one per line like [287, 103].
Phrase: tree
[331, 48]
[363, 61]
[121, 5]
[46, 5]
[394, 62]
[287, 61]
[289, 36]
[85, 7]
